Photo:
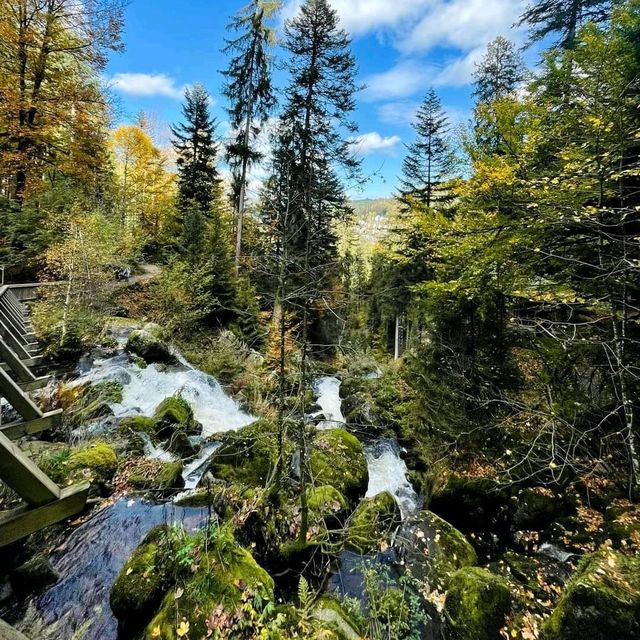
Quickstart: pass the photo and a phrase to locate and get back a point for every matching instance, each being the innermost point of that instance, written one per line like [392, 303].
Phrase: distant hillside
[372, 219]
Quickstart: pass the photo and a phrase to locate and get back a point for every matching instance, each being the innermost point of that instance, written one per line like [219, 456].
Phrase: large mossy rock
[434, 550]
[373, 523]
[99, 459]
[147, 343]
[140, 586]
[601, 602]
[337, 459]
[161, 476]
[330, 616]
[87, 403]
[476, 605]
[536, 508]
[247, 456]
[622, 523]
[225, 579]
[174, 414]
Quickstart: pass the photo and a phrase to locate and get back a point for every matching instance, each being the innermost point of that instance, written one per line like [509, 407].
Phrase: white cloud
[147, 84]
[459, 71]
[401, 81]
[373, 142]
[400, 113]
[463, 24]
[361, 16]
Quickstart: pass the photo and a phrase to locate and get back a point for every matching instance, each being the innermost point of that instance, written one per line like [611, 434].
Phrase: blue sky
[403, 47]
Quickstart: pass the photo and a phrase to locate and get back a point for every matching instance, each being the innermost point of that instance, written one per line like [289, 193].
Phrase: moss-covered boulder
[98, 458]
[330, 615]
[225, 579]
[434, 550]
[337, 459]
[373, 523]
[155, 475]
[138, 424]
[140, 585]
[174, 414]
[472, 504]
[602, 600]
[147, 343]
[622, 522]
[476, 605]
[536, 508]
[247, 456]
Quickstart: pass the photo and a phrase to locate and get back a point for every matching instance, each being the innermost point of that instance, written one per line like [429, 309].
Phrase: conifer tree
[499, 72]
[250, 93]
[196, 148]
[429, 161]
[563, 18]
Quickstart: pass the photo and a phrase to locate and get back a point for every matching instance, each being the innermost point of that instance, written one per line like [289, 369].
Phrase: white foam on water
[327, 393]
[194, 471]
[388, 472]
[144, 389]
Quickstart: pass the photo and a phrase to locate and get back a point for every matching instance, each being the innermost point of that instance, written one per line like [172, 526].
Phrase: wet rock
[98, 458]
[373, 523]
[181, 446]
[473, 504]
[147, 344]
[222, 582]
[536, 508]
[33, 576]
[143, 581]
[157, 475]
[330, 615]
[602, 600]
[174, 414]
[476, 605]
[433, 549]
[337, 459]
[247, 456]
[622, 522]
[9, 633]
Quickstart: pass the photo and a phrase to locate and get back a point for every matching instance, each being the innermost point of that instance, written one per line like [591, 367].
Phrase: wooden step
[15, 430]
[23, 521]
[17, 398]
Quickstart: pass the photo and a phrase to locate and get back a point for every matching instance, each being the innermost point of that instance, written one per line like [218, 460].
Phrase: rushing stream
[89, 563]
[145, 388]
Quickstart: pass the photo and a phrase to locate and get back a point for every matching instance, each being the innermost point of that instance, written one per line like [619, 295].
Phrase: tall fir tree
[196, 149]
[499, 72]
[563, 18]
[250, 93]
[430, 161]
[313, 143]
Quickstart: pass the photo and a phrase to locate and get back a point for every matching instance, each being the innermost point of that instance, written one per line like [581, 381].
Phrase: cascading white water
[145, 388]
[327, 393]
[194, 471]
[388, 472]
[154, 452]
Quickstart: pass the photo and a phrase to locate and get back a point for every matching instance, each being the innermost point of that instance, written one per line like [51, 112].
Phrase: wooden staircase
[46, 503]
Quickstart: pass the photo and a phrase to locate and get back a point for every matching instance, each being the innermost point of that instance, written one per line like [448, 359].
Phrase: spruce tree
[430, 161]
[499, 72]
[196, 149]
[250, 93]
[563, 18]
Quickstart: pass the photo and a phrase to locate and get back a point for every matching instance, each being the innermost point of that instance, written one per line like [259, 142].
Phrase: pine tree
[499, 72]
[196, 148]
[429, 161]
[563, 18]
[250, 93]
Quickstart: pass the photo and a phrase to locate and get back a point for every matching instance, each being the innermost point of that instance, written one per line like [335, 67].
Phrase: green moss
[147, 344]
[225, 578]
[622, 522]
[330, 615]
[98, 457]
[158, 475]
[435, 550]
[247, 456]
[326, 499]
[138, 424]
[373, 523]
[337, 459]
[602, 600]
[476, 605]
[175, 410]
[139, 587]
